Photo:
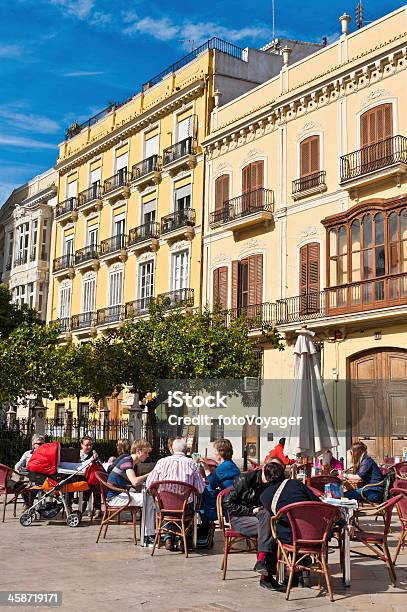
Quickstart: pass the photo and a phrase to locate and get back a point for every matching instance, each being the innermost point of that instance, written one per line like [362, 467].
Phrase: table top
[343, 502]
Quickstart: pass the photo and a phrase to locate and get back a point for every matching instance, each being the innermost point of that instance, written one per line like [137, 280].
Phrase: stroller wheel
[74, 519]
[26, 519]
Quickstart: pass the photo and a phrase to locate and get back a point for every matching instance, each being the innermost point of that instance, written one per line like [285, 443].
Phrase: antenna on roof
[359, 15]
[273, 19]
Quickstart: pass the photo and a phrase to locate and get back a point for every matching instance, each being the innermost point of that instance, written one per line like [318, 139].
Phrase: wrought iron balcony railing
[88, 253]
[137, 307]
[66, 206]
[94, 192]
[115, 243]
[178, 219]
[247, 204]
[179, 297]
[21, 258]
[82, 320]
[64, 262]
[64, 324]
[146, 231]
[377, 156]
[254, 316]
[361, 296]
[317, 179]
[150, 164]
[114, 182]
[111, 314]
[178, 150]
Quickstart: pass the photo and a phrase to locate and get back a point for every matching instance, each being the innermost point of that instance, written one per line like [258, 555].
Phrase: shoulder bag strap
[277, 496]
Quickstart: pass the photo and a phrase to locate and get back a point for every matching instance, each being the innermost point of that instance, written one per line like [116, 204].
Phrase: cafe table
[347, 508]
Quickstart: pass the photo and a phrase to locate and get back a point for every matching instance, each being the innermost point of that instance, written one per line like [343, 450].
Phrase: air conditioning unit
[251, 384]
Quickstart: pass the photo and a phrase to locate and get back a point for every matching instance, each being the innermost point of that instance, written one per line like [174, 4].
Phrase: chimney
[286, 51]
[345, 19]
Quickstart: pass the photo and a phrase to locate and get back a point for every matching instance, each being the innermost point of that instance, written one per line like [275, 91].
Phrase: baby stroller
[55, 479]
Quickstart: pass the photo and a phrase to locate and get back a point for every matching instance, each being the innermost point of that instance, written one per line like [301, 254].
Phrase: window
[184, 128]
[60, 412]
[376, 124]
[119, 225]
[121, 167]
[182, 198]
[247, 282]
[44, 240]
[84, 410]
[40, 298]
[30, 301]
[68, 245]
[19, 295]
[65, 301]
[95, 177]
[9, 252]
[220, 287]
[93, 236]
[72, 189]
[88, 295]
[180, 270]
[22, 243]
[221, 191]
[115, 287]
[309, 156]
[151, 146]
[34, 239]
[146, 283]
[253, 177]
[309, 277]
[149, 211]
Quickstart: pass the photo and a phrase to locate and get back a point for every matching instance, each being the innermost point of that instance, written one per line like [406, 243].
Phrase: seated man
[176, 467]
[21, 465]
[248, 517]
[123, 475]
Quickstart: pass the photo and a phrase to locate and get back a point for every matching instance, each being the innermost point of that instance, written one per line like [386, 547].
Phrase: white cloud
[161, 29]
[10, 51]
[24, 143]
[82, 73]
[29, 123]
[76, 8]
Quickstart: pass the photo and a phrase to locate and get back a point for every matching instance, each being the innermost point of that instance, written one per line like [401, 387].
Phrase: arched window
[309, 156]
[221, 191]
[376, 124]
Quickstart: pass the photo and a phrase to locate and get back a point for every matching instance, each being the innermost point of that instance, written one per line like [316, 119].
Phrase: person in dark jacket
[248, 517]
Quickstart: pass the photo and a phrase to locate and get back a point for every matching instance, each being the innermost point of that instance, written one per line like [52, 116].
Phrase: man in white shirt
[180, 468]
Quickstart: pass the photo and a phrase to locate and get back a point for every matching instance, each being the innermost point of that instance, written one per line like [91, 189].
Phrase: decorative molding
[146, 256]
[252, 244]
[251, 154]
[377, 93]
[308, 232]
[116, 267]
[222, 167]
[89, 275]
[308, 127]
[220, 258]
[180, 245]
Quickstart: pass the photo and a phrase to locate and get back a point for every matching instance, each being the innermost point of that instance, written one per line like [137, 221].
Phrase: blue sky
[64, 60]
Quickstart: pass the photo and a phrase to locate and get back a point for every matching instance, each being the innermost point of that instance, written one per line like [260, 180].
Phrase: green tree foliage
[11, 316]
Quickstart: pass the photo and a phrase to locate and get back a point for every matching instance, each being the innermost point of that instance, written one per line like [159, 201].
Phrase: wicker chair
[6, 489]
[113, 512]
[402, 512]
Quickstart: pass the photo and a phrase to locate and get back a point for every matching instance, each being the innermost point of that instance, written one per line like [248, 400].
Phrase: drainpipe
[206, 132]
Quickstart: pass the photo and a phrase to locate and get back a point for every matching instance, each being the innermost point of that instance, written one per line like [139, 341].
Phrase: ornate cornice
[135, 124]
[299, 102]
[41, 197]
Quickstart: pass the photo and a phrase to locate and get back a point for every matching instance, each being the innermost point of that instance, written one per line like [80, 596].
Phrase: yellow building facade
[129, 218]
[306, 224]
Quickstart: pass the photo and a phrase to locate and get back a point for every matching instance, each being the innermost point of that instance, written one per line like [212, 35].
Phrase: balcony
[147, 172]
[90, 199]
[21, 259]
[181, 155]
[137, 308]
[381, 160]
[255, 316]
[107, 316]
[116, 186]
[84, 320]
[144, 237]
[87, 258]
[177, 299]
[309, 185]
[246, 210]
[178, 224]
[64, 266]
[67, 210]
[369, 299]
[114, 248]
[64, 324]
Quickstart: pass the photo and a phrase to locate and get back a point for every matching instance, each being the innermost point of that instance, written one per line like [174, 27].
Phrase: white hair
[179, 446]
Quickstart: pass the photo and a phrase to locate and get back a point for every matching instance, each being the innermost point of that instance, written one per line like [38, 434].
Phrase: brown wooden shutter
[376, 124]
[309, 268]
[256, 175]
[220, 286]
[309, 156]
[246, 178]
[221, 191]
[235, 283]
[255, 279]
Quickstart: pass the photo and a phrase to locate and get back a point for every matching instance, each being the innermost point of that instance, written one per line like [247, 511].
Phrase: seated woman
[248, 517]
[222, 478]
[365, 472]
[123, 476]
[327, 458]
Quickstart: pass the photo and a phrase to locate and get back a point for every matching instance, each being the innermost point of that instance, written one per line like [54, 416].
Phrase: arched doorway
[378, 398]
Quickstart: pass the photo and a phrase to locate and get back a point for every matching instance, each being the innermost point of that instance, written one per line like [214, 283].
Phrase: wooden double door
[378, 389]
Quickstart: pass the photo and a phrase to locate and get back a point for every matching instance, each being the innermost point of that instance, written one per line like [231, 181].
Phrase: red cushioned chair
[230, 536]
[110, 513]
[402, 512]
[401, 470]
[311, 524]
[6, 488]
[377, 541]
[174, 516]
[212, 465]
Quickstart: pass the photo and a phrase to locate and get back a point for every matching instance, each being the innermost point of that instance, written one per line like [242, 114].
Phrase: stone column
[39, 411]
[104, 417]
[135, 419]
[11, 417]
[69, 422]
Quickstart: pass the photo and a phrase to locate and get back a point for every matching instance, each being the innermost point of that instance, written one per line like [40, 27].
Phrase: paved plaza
[115, 575]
